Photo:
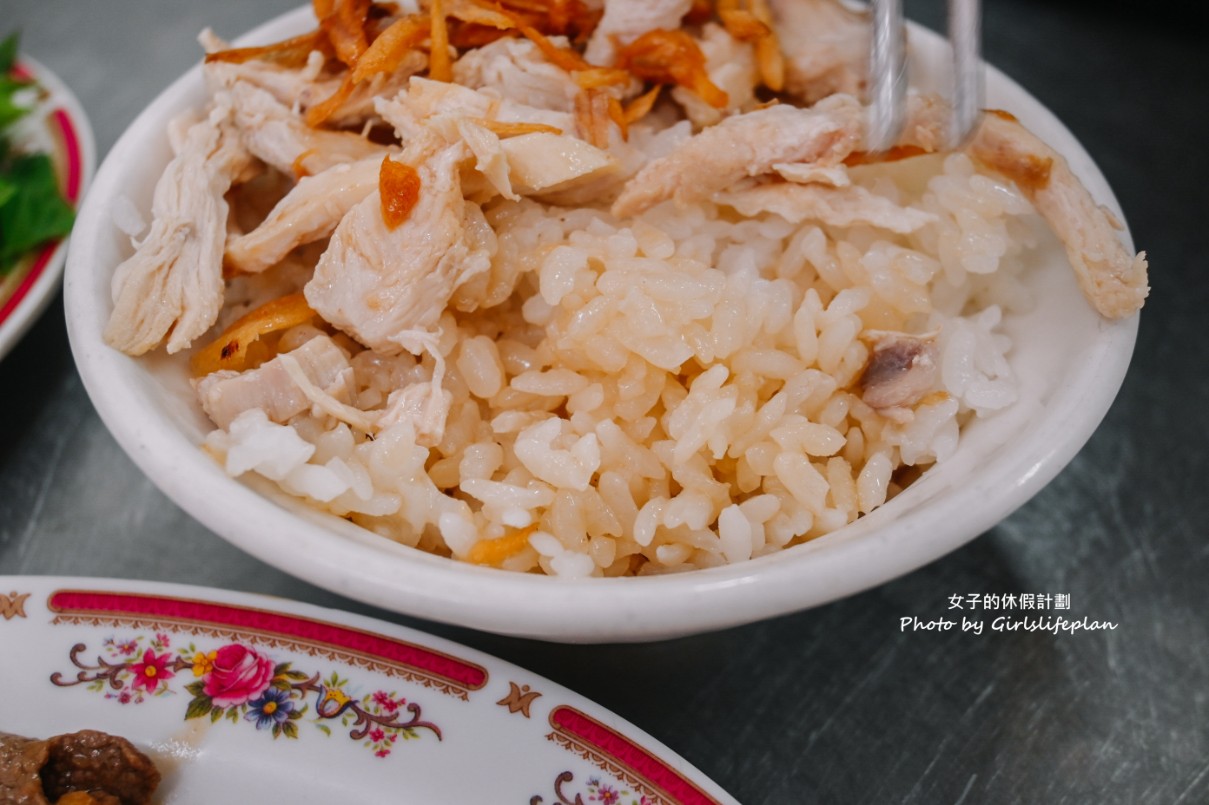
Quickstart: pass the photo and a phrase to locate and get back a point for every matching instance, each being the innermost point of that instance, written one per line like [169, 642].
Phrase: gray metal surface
[835, 704]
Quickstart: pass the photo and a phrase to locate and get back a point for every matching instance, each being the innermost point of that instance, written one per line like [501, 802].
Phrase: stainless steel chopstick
[887, 75]
[965, 37]
[888, 72]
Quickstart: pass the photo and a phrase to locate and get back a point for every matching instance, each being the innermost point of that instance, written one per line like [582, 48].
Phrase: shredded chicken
[626, 20]
[490, 160]
[826, 47]
[732, 332]
[517, 70]
[426, 101]
[289, 85]
[1112, 278]
[357, 109]
[312, 85]
[538, 162]
[732, 68]
[329, 400]
[173, 282]
[802, 145]
[829, 175]
[387, 288]
[225, 395]
[278, 136]
[926, 123]
[834, 206]
[546, 163]
[742, 146]
[309, 212]
[300, 89]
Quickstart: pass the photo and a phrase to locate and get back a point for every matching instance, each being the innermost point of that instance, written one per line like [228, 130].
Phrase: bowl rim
[372, 569]
[76, 145]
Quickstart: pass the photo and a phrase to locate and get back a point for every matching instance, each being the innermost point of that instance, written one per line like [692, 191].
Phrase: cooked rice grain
[674, 392]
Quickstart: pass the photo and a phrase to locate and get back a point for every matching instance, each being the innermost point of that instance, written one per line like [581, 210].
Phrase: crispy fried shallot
[592, 116]
[671, 57]
[320, 112]
[344, 22]
[230, 350]
[754, 24]
[496, 551]
[288, 53]
[387, 51]
[440, 68]
[638, 108]
[566, 58]
[399, 187]
[503, 129]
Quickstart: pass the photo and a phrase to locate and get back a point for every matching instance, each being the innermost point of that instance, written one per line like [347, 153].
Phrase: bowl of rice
[636, 403]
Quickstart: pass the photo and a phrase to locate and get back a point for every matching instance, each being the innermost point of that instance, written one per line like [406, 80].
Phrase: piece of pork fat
[173, 281]
[279, 137]
[826, 47]
[626, 20]
[309, 212]
[424, 406]
[742, 146]
[1112, 278]
[902, 370]
[225, 395]
[388, 287]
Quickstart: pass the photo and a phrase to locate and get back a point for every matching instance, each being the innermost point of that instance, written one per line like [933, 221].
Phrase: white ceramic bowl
[1069, 360]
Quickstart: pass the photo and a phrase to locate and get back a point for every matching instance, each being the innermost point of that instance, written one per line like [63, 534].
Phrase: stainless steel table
[834, 704]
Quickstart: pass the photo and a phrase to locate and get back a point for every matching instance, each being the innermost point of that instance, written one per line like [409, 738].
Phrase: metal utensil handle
[887, 75]
[965, 37]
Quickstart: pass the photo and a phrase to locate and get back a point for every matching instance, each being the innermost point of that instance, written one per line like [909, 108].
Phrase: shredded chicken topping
[339, 198]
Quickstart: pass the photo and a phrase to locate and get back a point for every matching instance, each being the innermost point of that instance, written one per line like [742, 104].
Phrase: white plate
[59, 127]
[1070, 363]
[322, 706]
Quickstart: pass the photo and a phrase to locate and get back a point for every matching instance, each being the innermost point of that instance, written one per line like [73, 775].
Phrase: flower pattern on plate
[603, 791]
[240, 683]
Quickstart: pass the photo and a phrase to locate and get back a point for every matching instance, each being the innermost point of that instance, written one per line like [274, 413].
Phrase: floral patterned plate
[243, 698]
[58, 126]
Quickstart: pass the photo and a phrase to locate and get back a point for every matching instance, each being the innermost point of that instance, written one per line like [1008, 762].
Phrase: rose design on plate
[238, 683]
[233, 675]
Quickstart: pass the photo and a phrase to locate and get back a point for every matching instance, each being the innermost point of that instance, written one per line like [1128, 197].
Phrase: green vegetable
[9, 86]
[8, 54]
[32, 209]
[10, 112]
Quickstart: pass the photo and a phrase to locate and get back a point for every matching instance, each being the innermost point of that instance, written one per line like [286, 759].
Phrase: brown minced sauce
[80, 768]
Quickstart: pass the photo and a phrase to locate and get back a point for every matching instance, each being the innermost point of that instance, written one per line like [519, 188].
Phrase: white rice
[677, 391]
